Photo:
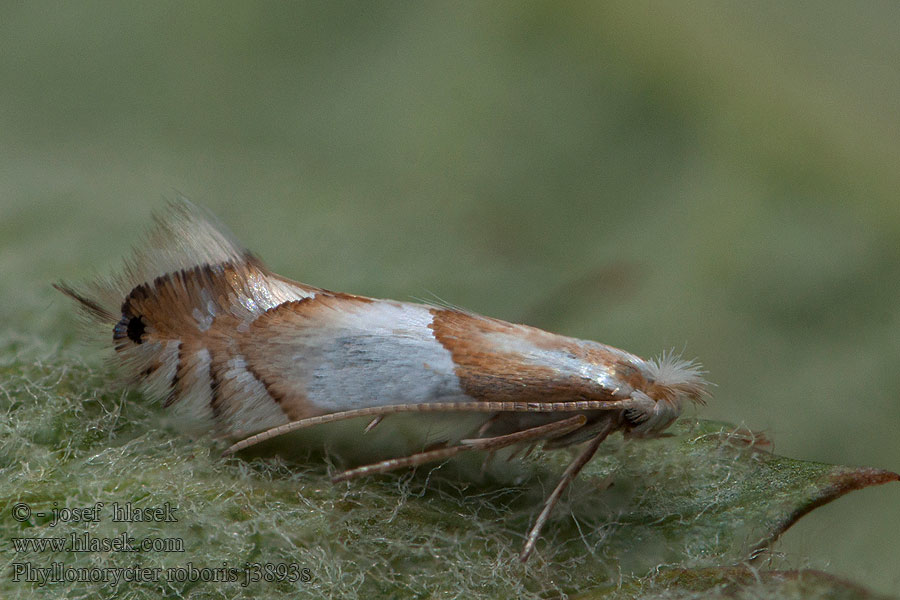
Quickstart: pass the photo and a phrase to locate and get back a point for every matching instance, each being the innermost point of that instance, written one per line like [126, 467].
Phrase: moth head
[135, 338]
[671, 382]
[168, 308]
[147, 343]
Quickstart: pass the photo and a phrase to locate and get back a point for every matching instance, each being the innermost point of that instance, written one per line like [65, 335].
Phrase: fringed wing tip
[183, 236]
[670, 369]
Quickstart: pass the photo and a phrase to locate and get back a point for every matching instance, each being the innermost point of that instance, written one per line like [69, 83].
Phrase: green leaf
[736, 583]
[709, 491]
[708, 495]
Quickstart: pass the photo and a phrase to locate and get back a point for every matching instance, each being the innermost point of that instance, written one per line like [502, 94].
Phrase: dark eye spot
[135, 329]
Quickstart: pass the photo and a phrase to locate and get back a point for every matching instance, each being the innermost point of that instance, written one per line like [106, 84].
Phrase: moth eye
[134, 329]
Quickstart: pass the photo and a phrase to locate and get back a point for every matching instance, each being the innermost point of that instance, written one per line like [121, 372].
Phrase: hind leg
[569, 475]
[490, 444]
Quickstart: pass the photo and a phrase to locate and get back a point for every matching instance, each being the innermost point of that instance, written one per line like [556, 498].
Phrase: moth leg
[568, 476]
[487, 424]
[526, 452]
[373, 423]
[488, 457]
[478, 406]
[398, 463]
[547, 431]
[516, 452]
[491, 444]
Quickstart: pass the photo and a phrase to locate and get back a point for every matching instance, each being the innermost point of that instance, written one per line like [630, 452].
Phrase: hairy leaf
[708, 495]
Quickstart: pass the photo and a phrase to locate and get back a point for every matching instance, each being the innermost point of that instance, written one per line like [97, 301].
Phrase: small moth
[198, 320]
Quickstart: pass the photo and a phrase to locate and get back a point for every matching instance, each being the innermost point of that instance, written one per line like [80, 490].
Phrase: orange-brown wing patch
[494, 372]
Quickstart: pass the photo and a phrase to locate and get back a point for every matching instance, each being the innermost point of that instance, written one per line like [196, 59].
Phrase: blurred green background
[716, 177]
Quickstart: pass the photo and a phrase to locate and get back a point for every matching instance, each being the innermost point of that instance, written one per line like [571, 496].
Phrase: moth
[199, 321]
